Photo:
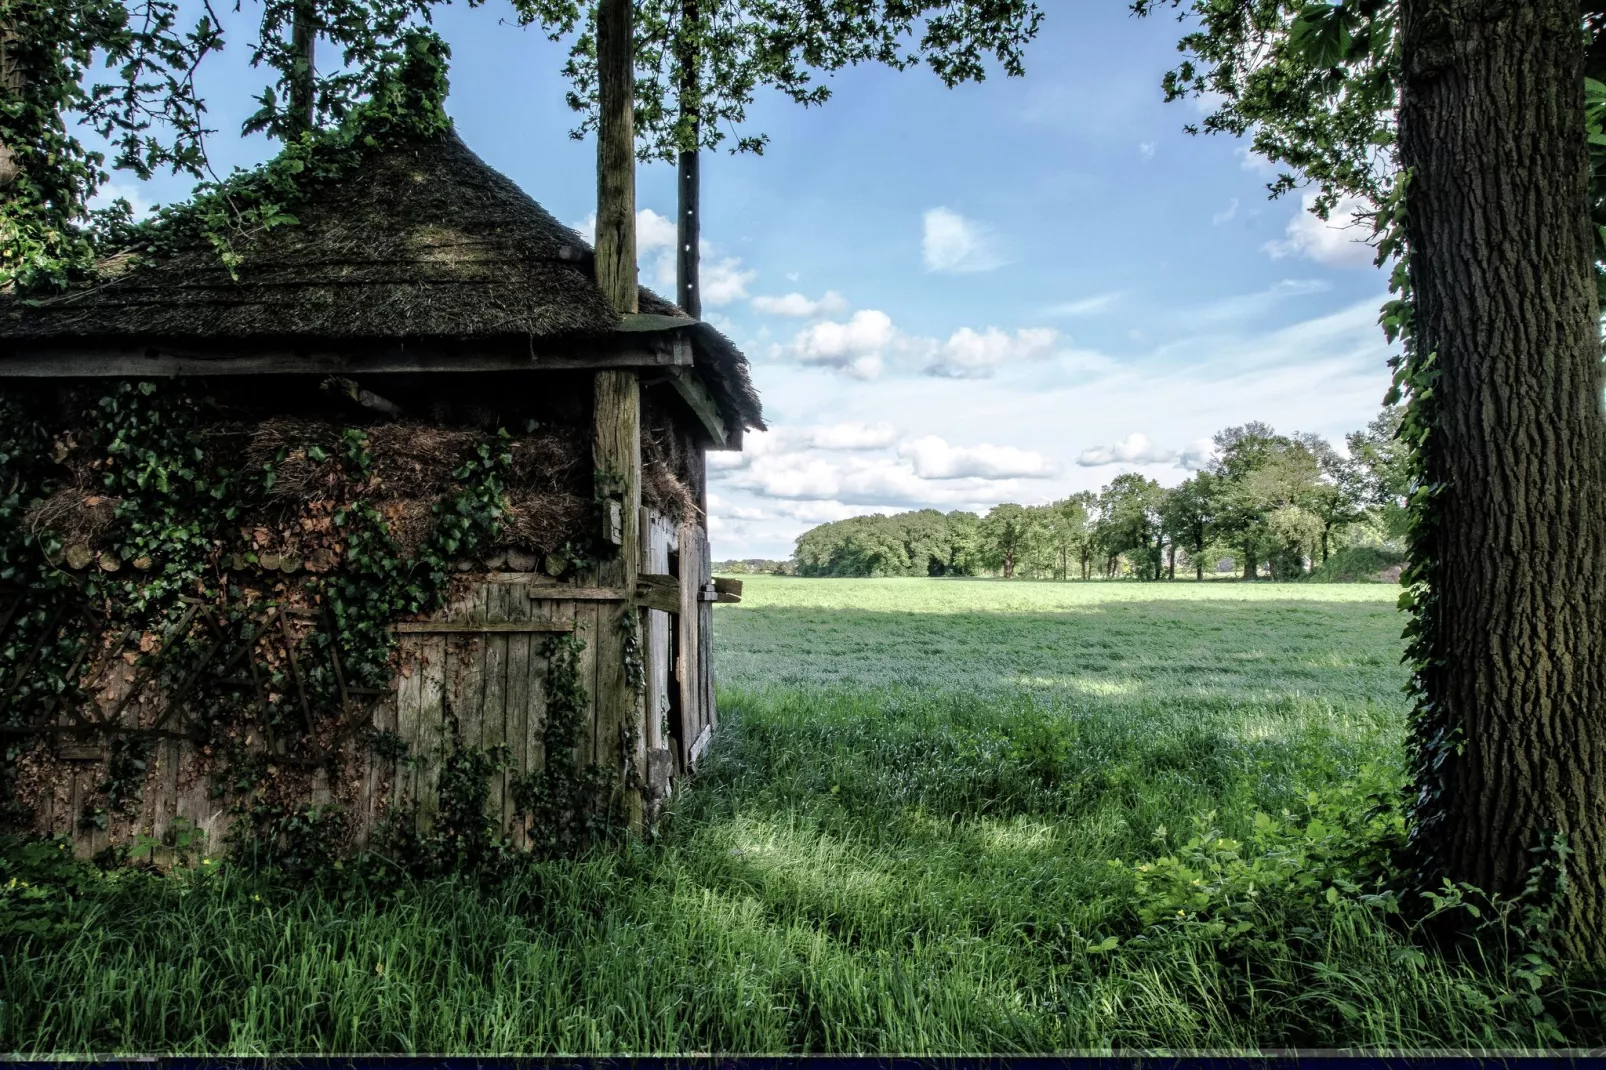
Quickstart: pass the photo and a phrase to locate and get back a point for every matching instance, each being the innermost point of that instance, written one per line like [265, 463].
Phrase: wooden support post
[705, 634]
[616, 449]
[616, 429]
[616, 159]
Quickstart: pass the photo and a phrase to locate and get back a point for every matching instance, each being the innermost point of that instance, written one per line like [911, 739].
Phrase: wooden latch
[722, 590]
[613, 522]
[656, 590]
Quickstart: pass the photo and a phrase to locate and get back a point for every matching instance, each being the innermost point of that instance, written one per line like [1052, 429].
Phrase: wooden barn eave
[168, 360]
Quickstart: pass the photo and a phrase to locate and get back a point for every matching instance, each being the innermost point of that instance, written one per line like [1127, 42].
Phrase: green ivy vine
[561, 797]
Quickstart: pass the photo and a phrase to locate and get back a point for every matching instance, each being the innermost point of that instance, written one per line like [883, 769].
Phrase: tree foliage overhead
[369, 35]
[125, 71]
[742, 46]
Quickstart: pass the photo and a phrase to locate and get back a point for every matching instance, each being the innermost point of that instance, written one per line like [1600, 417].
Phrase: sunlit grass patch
[919, 830]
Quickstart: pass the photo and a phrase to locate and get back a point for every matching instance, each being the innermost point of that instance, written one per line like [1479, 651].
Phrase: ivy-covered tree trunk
[1251, 567]
[1510, 739]
[13, 79]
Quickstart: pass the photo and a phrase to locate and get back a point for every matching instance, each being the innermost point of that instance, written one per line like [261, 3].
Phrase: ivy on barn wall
[133, 545]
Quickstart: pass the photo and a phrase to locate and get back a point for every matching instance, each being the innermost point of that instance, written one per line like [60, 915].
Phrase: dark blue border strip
[1287, 1060]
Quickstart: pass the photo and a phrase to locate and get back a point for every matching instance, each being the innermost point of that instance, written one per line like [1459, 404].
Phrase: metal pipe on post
[688, 294]
[616, 426]
[303, 81]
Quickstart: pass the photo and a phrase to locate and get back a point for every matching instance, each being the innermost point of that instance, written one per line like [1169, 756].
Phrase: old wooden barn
[419, 389]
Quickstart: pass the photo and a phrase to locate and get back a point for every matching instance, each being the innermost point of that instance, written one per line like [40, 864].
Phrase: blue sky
[1002, 292]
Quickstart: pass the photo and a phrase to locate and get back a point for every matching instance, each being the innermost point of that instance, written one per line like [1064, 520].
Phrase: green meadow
[940, 816]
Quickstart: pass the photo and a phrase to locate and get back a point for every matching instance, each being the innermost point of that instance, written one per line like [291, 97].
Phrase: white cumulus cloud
[112, 192]
[1134, 449]
[933, 458]
[952, 243]
[723, 281]
[969, 354]
[1339, 241]
[850, 436]
[855, 347]
[795, 304]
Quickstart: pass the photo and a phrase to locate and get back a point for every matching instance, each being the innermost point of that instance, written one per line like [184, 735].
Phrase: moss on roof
[419, 240]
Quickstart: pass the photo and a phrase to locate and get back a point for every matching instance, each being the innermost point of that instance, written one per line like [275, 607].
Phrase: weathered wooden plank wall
[477, 667]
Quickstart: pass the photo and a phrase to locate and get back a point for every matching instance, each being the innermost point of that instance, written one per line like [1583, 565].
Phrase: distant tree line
[754, 566]
[1276, 504]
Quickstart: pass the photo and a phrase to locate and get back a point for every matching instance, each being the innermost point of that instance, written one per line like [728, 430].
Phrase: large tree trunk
[13, 80]
[1250, 568]
[1492, 127]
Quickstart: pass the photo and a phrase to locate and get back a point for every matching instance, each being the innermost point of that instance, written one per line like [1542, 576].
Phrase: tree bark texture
[616, 159]
[13, 80]
[1492, 130]
[688, 294]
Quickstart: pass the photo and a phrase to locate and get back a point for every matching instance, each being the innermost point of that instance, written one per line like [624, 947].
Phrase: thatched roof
[421, 242]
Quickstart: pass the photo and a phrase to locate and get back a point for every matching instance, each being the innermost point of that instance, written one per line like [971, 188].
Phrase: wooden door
[473, 678]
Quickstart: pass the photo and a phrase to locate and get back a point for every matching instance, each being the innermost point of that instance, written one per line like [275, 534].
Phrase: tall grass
[919, 831]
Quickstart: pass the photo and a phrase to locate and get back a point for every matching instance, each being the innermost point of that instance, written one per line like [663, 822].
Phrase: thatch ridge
[422, 241]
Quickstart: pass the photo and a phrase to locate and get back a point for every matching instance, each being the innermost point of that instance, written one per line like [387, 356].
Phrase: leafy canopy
[739, 46]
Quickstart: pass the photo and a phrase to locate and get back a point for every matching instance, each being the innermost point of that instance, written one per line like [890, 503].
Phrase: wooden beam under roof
[689, 385]
[164, 362]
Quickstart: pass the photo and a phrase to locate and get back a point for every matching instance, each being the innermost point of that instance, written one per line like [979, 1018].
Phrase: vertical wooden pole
[303, 45]
[616, 428]
[616, 160]
[616, 448]
[688, 294]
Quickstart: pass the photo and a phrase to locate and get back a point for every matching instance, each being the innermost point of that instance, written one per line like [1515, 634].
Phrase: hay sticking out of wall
[664, 486]
[662, 490]
[76, 514]
[305, 467]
